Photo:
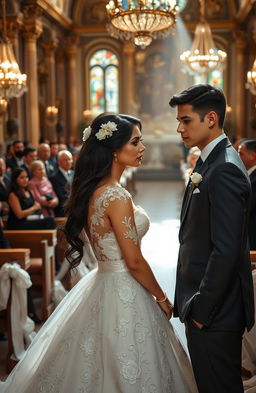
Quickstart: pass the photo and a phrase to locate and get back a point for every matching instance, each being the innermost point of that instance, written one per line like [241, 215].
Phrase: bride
[111, 333]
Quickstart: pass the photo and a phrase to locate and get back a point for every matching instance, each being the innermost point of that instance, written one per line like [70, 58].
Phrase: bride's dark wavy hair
[93, 164]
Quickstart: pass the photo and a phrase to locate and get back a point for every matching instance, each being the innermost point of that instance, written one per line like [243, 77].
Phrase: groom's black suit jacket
[214, 281]
[252, 222]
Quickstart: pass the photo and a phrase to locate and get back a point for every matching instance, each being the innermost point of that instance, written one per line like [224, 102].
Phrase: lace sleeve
[119, 209]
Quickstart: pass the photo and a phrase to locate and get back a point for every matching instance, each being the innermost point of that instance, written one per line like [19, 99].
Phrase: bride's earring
[115, 157]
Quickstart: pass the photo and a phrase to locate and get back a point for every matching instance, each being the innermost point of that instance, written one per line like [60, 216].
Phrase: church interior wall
[154, 72]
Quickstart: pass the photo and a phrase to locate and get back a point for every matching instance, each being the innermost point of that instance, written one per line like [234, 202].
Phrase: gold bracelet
[162, 300]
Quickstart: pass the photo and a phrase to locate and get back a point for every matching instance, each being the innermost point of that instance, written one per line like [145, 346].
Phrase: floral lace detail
[131, 234]
[100, 238]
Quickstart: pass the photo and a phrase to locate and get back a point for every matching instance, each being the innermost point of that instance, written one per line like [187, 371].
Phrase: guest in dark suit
[4, 181]
[214, 289]
[17, 158]
[54, 149]
[247, 153]
[29, 155]
[43, 153]
[62, 180]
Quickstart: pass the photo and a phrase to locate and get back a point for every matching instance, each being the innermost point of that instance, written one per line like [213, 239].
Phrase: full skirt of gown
[108, 335]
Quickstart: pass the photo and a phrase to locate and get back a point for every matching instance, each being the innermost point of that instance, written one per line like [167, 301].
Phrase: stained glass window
[215, 78]
[103, 66]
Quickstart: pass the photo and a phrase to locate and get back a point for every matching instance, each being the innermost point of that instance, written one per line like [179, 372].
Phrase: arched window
[103, 74]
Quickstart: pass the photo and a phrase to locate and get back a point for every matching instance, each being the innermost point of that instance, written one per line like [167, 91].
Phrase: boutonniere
[196, 179]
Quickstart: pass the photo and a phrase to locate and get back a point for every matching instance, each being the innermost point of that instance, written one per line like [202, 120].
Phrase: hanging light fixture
[12, 81]
[251, 79]
[203, 56]
[141, 20]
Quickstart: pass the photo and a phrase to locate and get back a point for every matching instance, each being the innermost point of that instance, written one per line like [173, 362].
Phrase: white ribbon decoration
[22, 327]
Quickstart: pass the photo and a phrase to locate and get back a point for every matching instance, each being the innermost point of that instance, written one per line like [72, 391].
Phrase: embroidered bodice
[103, 238]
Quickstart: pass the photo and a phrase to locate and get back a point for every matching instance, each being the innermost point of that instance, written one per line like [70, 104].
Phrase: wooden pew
[42, 251]
[253, 259]
[21, 255]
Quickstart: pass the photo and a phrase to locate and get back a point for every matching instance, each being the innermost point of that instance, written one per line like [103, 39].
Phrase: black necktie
[199, 163]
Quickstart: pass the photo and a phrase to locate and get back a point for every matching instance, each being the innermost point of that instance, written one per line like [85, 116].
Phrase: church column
[60, 86]
[128, 99]
[49, 54]
[72, 85]
[32, 29]
[239, 107]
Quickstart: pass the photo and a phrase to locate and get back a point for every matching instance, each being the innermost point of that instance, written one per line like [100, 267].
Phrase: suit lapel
[189, 194]
[204, 168]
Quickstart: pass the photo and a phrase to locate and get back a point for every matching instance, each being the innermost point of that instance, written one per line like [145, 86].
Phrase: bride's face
[132, 152]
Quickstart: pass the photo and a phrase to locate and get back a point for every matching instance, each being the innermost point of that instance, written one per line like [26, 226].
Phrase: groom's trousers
[216, 359]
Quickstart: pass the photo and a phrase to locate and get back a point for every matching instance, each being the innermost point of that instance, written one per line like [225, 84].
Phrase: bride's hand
[167, 307]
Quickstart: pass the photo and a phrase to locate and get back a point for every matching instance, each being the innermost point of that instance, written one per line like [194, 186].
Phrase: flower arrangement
[106, 130]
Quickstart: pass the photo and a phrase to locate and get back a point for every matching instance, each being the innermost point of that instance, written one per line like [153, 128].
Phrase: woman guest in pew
[42, 188]
[25, 212]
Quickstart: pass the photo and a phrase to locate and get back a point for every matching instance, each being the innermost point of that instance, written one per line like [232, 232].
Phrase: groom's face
[193, 131]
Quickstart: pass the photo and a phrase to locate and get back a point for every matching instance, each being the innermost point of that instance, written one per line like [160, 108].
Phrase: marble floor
[162, 202]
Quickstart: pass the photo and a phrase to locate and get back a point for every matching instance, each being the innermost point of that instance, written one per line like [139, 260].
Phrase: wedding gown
[108, 335]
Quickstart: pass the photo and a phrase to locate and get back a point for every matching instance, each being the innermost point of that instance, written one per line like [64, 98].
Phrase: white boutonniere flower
[86, 133]
[106, 130]
[196, 179]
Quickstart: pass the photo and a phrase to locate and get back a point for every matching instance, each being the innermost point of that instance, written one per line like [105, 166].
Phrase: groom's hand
[198, 324]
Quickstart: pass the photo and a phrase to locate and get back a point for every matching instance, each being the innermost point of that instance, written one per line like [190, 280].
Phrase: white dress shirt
[209, 148]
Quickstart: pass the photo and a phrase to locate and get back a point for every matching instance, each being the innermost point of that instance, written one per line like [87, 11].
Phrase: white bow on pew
[22, 327]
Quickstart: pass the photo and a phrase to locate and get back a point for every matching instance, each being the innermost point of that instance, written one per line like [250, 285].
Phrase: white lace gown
[108, 335]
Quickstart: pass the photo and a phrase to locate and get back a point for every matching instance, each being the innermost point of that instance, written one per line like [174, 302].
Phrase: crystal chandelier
[12, 82]
[141, 20]
[251, 79]
[203, 56]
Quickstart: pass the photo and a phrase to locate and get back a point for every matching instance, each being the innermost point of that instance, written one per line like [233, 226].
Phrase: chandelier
[251, 79]
[12, 82]
[203, 56]
[141, 20]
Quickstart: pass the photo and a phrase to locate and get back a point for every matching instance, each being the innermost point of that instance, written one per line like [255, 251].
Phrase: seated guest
[62, 180]
[42, 189]
[25, 212]
[4, 181]
[54, 148]
[29, 155]
[43, 153]
[17, 158]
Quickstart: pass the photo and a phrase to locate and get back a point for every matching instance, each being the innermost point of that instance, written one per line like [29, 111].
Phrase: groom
[214, 291]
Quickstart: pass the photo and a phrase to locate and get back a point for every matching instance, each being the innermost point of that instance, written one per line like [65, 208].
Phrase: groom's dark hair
[203, 98]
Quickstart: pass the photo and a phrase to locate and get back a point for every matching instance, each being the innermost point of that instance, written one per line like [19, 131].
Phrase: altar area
[164, 151]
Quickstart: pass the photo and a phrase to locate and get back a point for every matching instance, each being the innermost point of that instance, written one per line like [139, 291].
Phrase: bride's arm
[120, 213]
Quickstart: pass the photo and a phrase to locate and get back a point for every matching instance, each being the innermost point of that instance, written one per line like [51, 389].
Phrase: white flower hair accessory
[196, 178]
[106, 130]
[86, 133]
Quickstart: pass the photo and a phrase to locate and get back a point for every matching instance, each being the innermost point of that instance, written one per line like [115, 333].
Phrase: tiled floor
[162, 201]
